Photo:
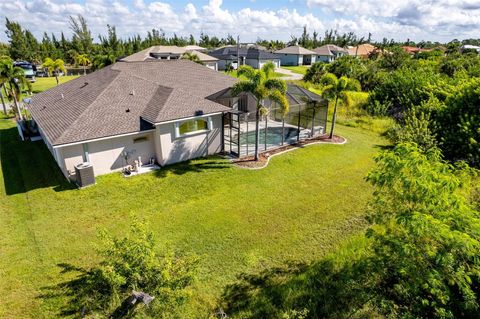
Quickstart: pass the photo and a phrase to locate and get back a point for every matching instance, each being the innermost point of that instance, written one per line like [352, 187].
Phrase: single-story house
[163, 112]
[329, 53]
[172, 52]
[362, 50]
[252, 56]
[296, 55]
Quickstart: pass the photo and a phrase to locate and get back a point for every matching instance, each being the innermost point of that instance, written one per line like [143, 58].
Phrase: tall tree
[335, 89]
[82, 37]
[262, 85]
[15, 77]
[16, 38]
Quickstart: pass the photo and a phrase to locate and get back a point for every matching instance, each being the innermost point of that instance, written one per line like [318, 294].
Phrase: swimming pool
[274, 136]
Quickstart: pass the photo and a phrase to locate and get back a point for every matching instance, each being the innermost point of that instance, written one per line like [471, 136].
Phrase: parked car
[41, 74]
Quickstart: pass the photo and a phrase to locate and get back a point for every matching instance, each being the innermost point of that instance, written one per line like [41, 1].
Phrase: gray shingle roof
[114, 100]
[295, 49]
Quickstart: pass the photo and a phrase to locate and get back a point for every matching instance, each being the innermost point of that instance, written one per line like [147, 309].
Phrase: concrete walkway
[289, 74]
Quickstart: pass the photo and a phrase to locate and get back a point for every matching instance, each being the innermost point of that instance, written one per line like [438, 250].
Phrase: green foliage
[132, 263]
[425, 236]
[335, 89]
[192, 57]
[315, 72]
[414, 128]
[402, 90]
[457, 124]
[348, 66]
[394, 59]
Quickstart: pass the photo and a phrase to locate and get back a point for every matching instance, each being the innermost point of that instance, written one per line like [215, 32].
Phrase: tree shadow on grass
[28, 165]
[72, 297]
[320, 290]
[196, 166]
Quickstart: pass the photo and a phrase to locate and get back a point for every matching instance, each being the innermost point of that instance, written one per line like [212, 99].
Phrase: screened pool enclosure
[307, 118]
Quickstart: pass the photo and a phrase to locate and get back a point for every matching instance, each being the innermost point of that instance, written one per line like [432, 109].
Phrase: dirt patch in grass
[263, 157]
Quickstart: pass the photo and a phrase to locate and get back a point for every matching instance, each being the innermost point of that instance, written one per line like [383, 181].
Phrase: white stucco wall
[107, 155]
[171, 149]
[212, 65]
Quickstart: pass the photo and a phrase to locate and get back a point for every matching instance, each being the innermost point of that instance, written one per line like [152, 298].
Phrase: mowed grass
[43, 84]
[299, 208]
[300, 69]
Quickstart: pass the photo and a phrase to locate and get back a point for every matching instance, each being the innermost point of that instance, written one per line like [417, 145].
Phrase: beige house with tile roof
[172, 52]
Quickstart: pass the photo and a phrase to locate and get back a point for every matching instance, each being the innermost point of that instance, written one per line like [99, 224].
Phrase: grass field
[300, 207]
[42, 84]
[301, 69]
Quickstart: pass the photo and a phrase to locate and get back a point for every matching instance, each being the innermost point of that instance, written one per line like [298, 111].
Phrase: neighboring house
[196, 48]
[362, 50]
[172, 52]
[329, 53]
[469, 47]
[162, 110]
[414, 50]
[252, 56]
[296, 55]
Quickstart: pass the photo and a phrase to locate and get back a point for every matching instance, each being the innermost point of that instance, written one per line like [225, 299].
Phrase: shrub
[132, 263]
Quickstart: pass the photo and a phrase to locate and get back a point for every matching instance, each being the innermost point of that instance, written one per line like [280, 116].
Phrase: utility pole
[238, 52]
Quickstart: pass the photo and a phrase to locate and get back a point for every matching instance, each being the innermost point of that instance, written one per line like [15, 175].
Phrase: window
[193, 126]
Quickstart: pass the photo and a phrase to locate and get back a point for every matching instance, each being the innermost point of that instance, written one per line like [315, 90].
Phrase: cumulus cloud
[139, 16]
[428, 19]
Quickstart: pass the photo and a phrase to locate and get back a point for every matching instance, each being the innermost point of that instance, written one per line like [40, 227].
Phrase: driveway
[289, 74]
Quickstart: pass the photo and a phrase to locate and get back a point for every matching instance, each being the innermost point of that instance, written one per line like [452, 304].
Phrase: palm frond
[243, 86]
[247, 71]
[268, 69]
[276, 84]
[279, 97]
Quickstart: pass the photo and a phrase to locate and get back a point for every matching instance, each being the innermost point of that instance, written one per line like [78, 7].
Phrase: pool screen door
[231, 133]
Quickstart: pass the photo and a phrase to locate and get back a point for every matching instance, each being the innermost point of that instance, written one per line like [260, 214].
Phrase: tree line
[22, 44]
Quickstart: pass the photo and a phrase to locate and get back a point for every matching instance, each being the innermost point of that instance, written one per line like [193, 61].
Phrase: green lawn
[301, 69]
[43, 84]
[234, 74]
[300, 207]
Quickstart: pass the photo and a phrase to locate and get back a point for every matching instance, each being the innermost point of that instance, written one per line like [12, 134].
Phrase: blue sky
[440, 20]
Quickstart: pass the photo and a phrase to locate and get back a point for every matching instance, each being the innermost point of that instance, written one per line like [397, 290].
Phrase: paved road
[289, 74]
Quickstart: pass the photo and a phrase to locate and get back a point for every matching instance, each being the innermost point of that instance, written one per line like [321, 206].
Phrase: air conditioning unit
[84, 174]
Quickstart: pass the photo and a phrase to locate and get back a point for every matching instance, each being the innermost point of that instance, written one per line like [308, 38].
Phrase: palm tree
[262, 85]
[54, 67]
[192, 57]
[15, 77]
[336, 88]
[83, 60]
[3, 59]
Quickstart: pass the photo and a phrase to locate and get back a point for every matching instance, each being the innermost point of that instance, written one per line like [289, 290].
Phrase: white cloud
[428, 19]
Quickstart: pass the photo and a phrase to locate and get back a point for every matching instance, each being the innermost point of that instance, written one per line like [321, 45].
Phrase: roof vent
[127, 110]
[62, 96]
[132, 93]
